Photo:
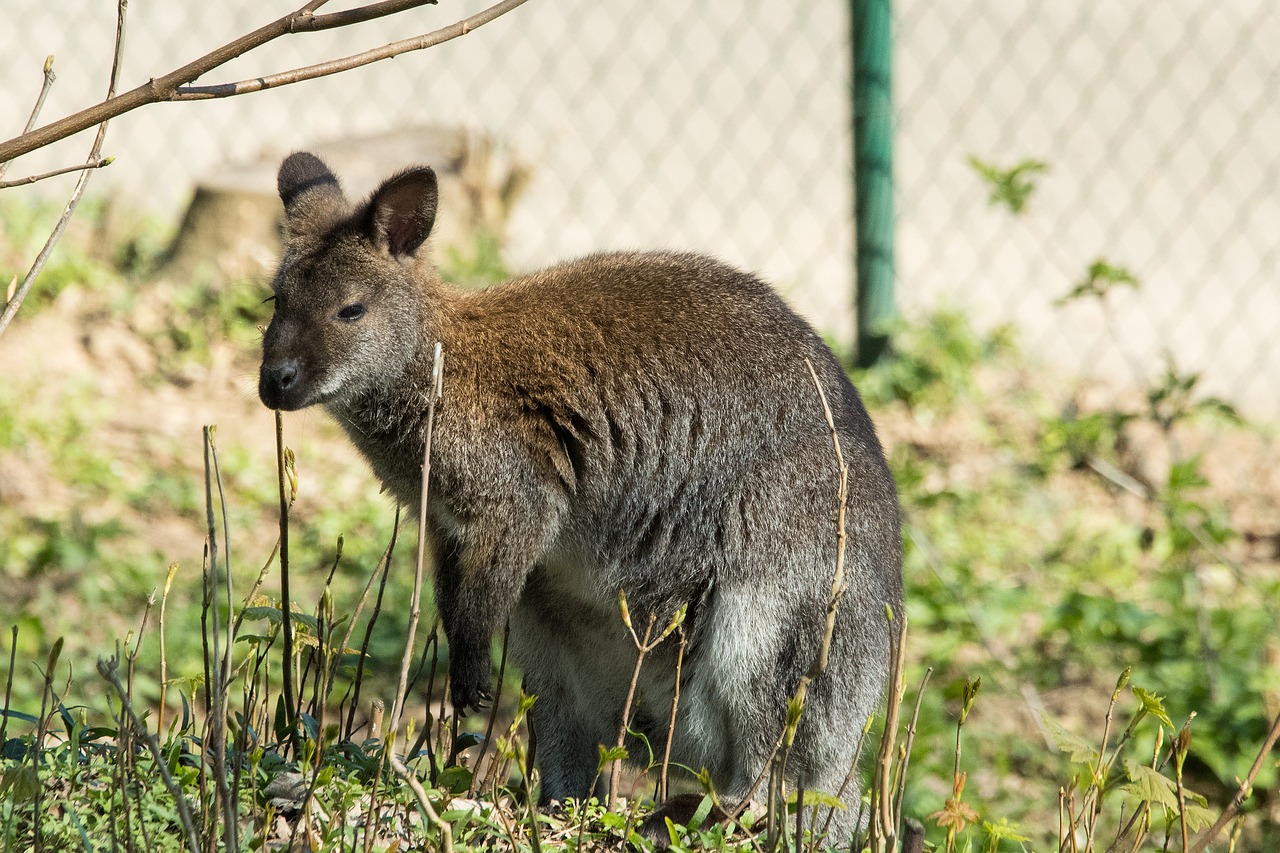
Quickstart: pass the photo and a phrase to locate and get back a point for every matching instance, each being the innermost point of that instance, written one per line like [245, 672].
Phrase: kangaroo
[643, 422]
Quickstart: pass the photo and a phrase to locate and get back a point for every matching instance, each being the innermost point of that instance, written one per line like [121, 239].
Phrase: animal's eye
[351, 312]
[271, 298]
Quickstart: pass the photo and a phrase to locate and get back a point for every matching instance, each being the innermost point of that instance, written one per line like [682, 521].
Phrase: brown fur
[636, 421]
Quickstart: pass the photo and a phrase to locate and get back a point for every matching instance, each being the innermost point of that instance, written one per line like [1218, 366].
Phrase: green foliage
[932, 362]
[1010, 188]
[1172, 398]
[209, 313]
[479, 266]
[1001, 831]
[1100, 278]
[1037, 548]
[103, 250]
[1078, 438]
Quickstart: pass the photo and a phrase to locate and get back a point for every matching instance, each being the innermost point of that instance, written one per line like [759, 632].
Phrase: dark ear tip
[302, 171]
[402, 211]
[424, 175]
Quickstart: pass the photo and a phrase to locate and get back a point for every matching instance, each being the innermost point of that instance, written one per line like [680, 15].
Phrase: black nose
[276, 380]
[285, 374]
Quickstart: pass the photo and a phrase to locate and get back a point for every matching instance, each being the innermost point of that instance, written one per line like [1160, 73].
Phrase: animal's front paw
[470, 690]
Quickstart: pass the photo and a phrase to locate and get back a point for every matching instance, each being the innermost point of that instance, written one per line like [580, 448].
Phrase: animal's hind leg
[733, 705]
[579, 696]
[566, 754]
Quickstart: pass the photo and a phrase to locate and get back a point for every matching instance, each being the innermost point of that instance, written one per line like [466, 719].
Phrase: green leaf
[1220, 408]
[1100, 278]
[254, 639]
[970, 695]
[1150, 785]
[20, 783]
[271, 614]
[455, 780]
[817, 798]
[1199, 817]
[1002, 830]
[700, 814]
[18, 715]
[609, 755]
[674, 834]
[466, 740]
[1186, 474]
[1153, 704]
[1011, 188]
[1080, 750]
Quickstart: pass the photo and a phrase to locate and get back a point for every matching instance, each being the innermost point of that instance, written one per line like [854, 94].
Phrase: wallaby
[643, 422]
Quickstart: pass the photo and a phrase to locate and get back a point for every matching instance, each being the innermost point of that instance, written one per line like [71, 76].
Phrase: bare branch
[424, 802]
[49, 77]
[11, 307]
[172, 87]
[415, 601]
[1242, 793]
[31, 179]
[336, 66]
[165, 88]
[315, 23]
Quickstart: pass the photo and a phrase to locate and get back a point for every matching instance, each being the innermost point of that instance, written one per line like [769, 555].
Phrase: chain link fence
[725, 128]
[1159, 122]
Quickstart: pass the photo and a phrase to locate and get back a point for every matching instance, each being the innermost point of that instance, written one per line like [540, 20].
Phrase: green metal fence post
[873, 175]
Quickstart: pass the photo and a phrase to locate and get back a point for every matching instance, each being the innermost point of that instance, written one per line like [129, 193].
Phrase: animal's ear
[403, 210]
[309, 190]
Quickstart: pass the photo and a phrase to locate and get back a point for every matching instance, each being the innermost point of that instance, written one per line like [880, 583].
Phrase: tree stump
[232, 227]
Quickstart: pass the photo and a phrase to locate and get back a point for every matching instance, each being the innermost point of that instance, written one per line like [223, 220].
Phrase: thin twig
[1099, 779]
[1182, 805]
[490, 775]
[642, 648]
[257, 584]
[164, 662]
[375, 795]
[166, 87]
[8, 683]
[131, 654]
[286, 617]
[384, 565]
[31, 179]
[14, 303]
[885, 814]
[854, 764]
[837, 580]
[364, 597]
[107, 668]
[415, 603]
[671, 726]
[833, 600]
[42, 729]
[221, 657]
[49, 78]
[232, 826]
[1242, 793]
[346, 63]
[306, 22]
[905, 761]
[446, 832]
